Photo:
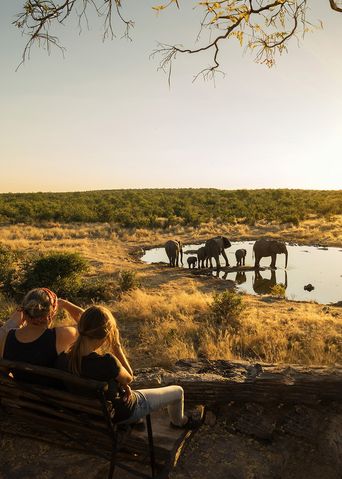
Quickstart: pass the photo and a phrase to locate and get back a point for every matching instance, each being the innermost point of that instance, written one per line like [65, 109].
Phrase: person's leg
[171, 397]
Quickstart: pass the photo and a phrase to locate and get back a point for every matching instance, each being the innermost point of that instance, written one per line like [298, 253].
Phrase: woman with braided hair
[28, 335]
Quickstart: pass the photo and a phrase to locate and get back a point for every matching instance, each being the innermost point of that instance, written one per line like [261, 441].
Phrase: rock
[309, 287]
[210, 419]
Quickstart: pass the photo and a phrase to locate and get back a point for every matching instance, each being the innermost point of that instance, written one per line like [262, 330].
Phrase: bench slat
[87, 384]
[93, 434]
[91, 406]
[63, 416]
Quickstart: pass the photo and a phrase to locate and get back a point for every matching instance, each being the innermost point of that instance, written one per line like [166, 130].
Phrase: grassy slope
[167, 319]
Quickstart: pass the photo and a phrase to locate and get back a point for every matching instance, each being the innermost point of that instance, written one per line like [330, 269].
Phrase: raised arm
[120, 354]
[14, 321]
[74, 311]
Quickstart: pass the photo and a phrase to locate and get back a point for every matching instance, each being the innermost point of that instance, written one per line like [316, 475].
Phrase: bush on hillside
[8, 260]
[128, 280]
[61, 272]
[226, 310]
[98, 290]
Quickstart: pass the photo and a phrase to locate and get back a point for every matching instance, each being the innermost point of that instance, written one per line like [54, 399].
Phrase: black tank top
[41, 352]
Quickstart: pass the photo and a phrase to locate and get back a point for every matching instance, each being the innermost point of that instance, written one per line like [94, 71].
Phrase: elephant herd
[214, 247]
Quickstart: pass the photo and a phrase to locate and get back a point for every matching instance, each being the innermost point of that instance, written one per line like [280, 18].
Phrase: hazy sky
[104, 117]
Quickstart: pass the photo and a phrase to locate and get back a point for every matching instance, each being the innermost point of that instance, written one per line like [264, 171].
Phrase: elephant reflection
[240, 277]
[264, 285]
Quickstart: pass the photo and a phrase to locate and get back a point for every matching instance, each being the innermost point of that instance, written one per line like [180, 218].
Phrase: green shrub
[278, 290]
[128, 280]
[6, 308]
[226, 310]
[97, 290]
[62, 272]
[8, 268]
[6, 264]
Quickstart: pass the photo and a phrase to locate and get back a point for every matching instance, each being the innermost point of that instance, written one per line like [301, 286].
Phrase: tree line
[165, 207]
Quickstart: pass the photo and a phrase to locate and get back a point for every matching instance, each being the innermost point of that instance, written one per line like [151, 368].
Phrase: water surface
[322, 267]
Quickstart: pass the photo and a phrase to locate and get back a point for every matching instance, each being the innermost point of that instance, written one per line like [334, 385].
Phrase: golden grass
[168, 327]
[171, 319]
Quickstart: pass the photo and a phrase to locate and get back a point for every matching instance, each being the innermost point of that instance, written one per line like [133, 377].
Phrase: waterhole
[319, 266]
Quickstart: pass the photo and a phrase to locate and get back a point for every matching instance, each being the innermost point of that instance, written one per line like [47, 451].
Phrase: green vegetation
[7, 267]
[165, 207]
[61, 272]
[128, 280]
[226, 311]
[278, 291]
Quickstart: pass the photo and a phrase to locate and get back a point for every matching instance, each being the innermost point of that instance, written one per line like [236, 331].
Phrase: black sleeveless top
[40, 352]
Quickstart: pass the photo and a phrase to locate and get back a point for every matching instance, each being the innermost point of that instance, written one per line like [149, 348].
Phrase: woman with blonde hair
[28, 335]
[98, 331]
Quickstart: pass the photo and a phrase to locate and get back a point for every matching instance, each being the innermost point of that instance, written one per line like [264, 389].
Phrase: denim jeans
[149, 400]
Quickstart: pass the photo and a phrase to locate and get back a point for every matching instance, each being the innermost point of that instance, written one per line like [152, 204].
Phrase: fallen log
[218, 382]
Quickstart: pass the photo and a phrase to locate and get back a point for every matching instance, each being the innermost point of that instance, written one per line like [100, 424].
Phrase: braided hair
[39, 306]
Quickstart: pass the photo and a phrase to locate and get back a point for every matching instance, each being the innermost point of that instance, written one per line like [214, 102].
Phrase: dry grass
[167, 327]
[171, 319]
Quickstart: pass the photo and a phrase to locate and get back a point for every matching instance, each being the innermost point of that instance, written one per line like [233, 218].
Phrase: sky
[104, 117]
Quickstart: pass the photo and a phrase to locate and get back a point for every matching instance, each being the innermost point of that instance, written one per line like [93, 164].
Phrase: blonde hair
[96, 322]
[38, 307]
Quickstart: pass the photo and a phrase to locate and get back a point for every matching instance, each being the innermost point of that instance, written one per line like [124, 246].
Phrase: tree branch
[264, 26]
[334, 6]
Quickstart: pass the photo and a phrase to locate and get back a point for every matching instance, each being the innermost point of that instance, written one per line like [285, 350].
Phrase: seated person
[97, 329]
[28, 336]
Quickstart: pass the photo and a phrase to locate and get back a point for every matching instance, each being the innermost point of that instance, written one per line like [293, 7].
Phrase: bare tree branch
[335, 7]
[264, 27]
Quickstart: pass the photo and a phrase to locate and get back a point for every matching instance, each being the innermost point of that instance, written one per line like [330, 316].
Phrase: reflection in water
[307, 264]
[240, 277]
[263, 285]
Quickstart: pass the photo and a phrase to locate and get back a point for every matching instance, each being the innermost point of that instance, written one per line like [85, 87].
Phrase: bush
[97, 291]
[226, 310]
[7, 306]
[8, 268]
[62, 272]
[278, 290]
[128, 280]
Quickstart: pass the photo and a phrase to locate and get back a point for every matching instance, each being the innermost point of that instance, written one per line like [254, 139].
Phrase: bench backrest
[86, 411]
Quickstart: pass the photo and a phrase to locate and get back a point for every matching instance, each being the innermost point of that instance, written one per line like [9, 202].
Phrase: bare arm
[14, 321]
[74, 311]
[124, 378]
[120, 354]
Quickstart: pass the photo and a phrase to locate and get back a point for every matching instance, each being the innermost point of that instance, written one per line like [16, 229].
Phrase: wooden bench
[84, 420]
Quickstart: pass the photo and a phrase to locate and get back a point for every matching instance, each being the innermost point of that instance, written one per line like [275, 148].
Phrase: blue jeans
[149, 400]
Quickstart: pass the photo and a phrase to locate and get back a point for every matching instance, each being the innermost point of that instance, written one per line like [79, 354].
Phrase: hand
[128, 393]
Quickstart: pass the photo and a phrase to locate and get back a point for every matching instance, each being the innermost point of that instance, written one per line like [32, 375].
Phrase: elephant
[201, 257]
[268, 247]
[216, 246]
[263, 285]
[192, 260]
[174, 250]
[240, 255]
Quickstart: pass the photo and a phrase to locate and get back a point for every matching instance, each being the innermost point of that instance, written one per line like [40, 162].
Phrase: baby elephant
[192, 260]
[240, 255]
